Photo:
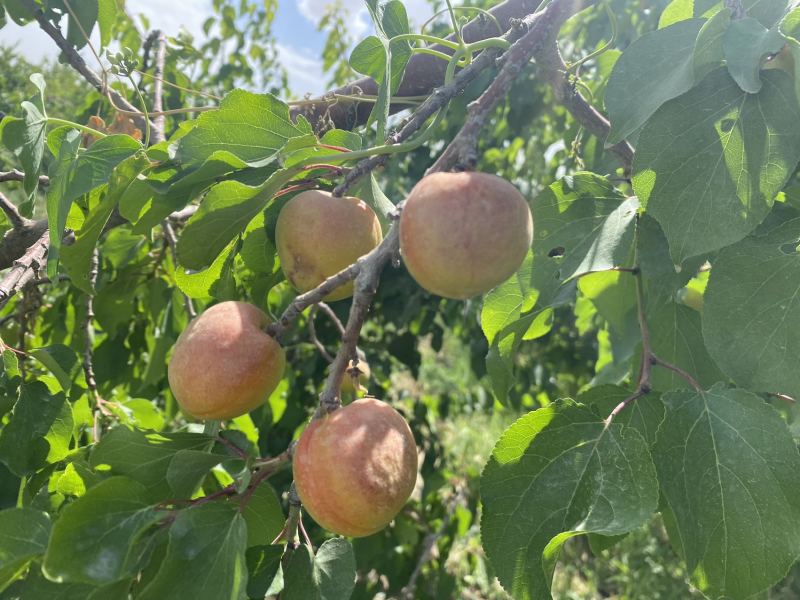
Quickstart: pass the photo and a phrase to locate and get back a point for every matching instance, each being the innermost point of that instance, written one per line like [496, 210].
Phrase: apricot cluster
[461, 234]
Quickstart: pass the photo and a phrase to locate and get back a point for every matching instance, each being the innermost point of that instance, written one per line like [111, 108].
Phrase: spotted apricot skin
[318, 235]
[355, 468]
[224, 365]
[462, 234]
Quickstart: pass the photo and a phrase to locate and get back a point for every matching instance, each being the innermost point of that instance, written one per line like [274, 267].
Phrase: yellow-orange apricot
[461, 234]
[355, 468]
[224, 364]
[318, 235]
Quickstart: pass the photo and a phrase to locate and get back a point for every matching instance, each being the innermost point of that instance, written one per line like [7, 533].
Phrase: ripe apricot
[224, 364]
[318, 235]
[355, 468]
[461, 234]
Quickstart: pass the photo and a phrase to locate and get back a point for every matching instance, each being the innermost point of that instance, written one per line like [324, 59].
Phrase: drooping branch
[76, 62]
[548, 57]
[12, 213]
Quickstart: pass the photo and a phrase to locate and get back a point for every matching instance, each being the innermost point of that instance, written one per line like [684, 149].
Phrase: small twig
[88, 343]
[312, 332]
[172, 242]
[676, 369]
[292, 524]
[75, 60]
[15, 175]
[332, 316]
[785, 397]
[409, 590]
[12, 213]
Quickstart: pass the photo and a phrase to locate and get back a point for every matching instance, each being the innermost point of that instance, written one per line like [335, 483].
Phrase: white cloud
[304, 69]
[188, 14]
[418, 11]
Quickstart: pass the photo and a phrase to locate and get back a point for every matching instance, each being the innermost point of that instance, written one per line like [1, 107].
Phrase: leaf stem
[83, 128]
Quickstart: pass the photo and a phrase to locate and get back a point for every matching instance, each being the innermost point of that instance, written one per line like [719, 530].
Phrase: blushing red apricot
[461, 234]
[318, 235]
[355, 468]
[224, 364]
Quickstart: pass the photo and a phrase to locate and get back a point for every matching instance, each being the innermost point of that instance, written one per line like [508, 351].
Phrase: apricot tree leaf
[751, 314]
[23, 536]
[729, 474]
[746, 43]
[205, 557]
[709, 163]
[100, 537]
[555, 473]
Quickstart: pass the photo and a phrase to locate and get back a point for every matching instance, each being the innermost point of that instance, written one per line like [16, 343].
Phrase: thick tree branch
[159, 121]
[423, 74]
[76, 62]
[25, 269]
[542, 28]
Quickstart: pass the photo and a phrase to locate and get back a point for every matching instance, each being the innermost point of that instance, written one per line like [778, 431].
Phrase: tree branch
[159, 121]
[76, 62]
[12, 213]
[15, 175]
[549, 58]
[423, 74]
[24, 269]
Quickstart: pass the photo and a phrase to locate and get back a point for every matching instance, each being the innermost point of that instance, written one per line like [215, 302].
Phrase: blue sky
[299, 42]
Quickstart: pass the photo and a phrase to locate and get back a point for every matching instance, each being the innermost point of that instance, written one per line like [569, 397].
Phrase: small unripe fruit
[363, 374]
[318, 235]
[355, 468]
[461, 234]
[692, 298]
[224, 364]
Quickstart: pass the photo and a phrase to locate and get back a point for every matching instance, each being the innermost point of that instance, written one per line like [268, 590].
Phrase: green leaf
[108, 11]
[370, 192]
[751, 313]
[225, 212]
[188, 468]
[262, 566]
[252, 127]
[23, 447]
[77, 172]
[330, 575]
[729, 473]
[101, 537]
[144, 456]
[23, 536]
[645, 415]
[61, 361]
[26, 136]
[213, 282]
[746, 43]
[264, 516]
[709, 163]
[258, 252]
[36, 587]
[77, 257]
[555, 473]
[205, 557]
[81, 21]
[676, 337]
[660, 66]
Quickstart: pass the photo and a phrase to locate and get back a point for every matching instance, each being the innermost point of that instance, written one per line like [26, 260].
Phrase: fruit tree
[512, 310]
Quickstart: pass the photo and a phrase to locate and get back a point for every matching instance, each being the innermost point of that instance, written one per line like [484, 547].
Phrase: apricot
[362, 372]
[318, 235]
[224, 364]
[355, 468]
[461, 234]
